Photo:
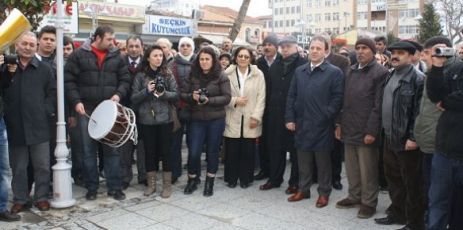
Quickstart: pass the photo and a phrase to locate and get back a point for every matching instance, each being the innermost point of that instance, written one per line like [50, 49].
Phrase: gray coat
[150, 109]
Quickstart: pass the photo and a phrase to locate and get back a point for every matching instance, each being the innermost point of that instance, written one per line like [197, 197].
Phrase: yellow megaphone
[14, 25]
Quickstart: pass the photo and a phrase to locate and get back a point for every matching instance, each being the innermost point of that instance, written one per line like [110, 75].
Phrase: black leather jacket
[406, 105]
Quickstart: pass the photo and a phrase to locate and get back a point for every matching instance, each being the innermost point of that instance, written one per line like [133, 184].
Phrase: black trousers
[277, 167]
[264, 161]
[157, 143]
[403, 171]
[239, 160]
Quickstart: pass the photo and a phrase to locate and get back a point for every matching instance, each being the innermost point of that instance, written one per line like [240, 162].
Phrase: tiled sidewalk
[228, 209]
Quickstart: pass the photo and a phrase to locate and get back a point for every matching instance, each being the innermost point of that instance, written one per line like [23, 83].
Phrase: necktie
[132, 67]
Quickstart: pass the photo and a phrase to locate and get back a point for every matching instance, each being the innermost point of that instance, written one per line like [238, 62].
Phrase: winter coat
[30, 100]
[85, 82]
[278, 138]
[238, 117]
[150, 109]
[447, 88]
[314, 100]
[406, 105]
[132, 74]
[218, 88]
[361, 113]
[181, 69]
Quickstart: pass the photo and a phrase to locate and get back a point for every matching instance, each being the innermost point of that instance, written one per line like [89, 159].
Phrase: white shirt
[312, 66]
[242, 79]
[137, 61]
[269, 63]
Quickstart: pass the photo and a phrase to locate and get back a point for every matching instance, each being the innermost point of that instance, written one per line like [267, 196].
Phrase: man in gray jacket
[360, 128]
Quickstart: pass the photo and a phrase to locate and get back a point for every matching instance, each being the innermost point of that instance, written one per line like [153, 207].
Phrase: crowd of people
[393, 113]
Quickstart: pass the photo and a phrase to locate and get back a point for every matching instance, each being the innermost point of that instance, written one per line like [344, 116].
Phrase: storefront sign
[70, 17]
[169, 26]
[113, 11]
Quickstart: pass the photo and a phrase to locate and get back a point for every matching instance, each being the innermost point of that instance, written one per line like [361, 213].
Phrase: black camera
[203, 94]
[444, 52]
[11, 59]
[160, 85]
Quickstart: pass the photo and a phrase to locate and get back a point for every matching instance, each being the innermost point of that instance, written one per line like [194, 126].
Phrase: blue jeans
[446, 179]
[4, 166]
[89, 161]
[200, 133]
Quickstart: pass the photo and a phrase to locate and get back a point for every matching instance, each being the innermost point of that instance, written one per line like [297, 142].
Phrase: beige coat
[254, 90]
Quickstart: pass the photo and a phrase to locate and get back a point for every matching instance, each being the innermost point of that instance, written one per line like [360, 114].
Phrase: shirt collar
[136, 60]
[273, 60]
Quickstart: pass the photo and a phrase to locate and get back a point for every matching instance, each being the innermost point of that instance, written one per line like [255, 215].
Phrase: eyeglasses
[243, 57]
[185, 45]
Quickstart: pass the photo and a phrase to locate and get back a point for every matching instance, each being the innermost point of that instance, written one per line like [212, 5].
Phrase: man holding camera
[29, 90]
[444, 85]
[94, 73]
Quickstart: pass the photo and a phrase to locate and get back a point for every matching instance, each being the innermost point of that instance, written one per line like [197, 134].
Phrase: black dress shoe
[9, 217]
[388, 220]
[125, 185]
[117, 194]
[260, 176]
[231, 185]
[268, 186]
[244, 185]
[406, 227]
[91, 195]
[337, 185]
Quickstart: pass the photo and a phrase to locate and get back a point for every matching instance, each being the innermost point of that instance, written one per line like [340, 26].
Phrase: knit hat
[272, 39]
[186, 40]
[368, 42]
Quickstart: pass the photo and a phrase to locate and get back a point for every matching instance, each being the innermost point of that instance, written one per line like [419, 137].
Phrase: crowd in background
[392, 112]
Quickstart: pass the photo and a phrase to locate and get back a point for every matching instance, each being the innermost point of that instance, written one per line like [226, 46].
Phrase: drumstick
[90, 118]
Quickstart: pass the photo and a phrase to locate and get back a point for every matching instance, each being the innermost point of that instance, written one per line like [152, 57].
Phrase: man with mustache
[271, 56]
[402, 157]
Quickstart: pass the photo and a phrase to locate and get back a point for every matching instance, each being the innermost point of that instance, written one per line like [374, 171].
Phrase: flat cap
[271, 39]
[407, 46]
[288, 39]
[417, 45]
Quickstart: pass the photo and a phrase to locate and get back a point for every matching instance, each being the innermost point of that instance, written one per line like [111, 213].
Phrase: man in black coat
[29, 102]
[264, 63]
[94, 73]
[279, 140]
[402, 157]
[133, 60]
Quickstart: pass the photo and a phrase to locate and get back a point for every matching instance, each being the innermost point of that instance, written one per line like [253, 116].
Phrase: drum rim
[93, 118]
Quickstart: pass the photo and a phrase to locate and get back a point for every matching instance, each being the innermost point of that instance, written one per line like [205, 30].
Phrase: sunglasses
[185, 45]
[243, 57]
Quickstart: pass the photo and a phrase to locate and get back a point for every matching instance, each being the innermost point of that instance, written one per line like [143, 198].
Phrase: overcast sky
[256, 8]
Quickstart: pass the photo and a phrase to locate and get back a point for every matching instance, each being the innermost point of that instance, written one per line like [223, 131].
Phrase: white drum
[112, 124]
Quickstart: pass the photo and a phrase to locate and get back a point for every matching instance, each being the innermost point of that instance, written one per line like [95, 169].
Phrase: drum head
[102, 119]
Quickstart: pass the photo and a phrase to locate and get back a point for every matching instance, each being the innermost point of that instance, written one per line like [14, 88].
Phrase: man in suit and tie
[134, 59]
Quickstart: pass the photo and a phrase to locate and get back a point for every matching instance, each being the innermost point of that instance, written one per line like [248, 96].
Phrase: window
[327, 3]
[327, 17]
[309, 3]
[293, 10]
[408, 30]
[318, 30]
[335, 16]
[309, 18]
[318, 3]
[288, 10]
[362, 2]
[281, 10]
[281, 23]
[334, 2]
[298, 9]
[248, 34]
[362, 15]
[276, 11]
[335, 30]
[318, 17]
[276, 24]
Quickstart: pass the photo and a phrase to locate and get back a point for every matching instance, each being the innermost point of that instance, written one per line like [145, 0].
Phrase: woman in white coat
[243, 118]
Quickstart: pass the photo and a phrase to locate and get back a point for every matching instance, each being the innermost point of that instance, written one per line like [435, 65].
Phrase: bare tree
[239, 20]
[452, 15]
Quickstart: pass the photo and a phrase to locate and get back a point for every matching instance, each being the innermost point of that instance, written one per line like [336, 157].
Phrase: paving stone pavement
[227, 209]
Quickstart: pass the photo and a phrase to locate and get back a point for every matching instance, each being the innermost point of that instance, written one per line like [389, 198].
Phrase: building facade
[181, 7]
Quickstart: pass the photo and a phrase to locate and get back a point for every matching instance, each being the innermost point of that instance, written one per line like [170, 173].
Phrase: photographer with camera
[207, 90]
[153, 91]
[29, 96]
[444, 85]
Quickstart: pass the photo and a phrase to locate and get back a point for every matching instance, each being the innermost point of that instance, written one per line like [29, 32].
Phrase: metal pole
[273, 16]
[62, 186]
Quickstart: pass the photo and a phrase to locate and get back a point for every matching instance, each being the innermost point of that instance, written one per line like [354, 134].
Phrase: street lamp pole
[62, 186]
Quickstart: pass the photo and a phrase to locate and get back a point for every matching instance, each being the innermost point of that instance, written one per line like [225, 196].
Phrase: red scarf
[100, 55]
